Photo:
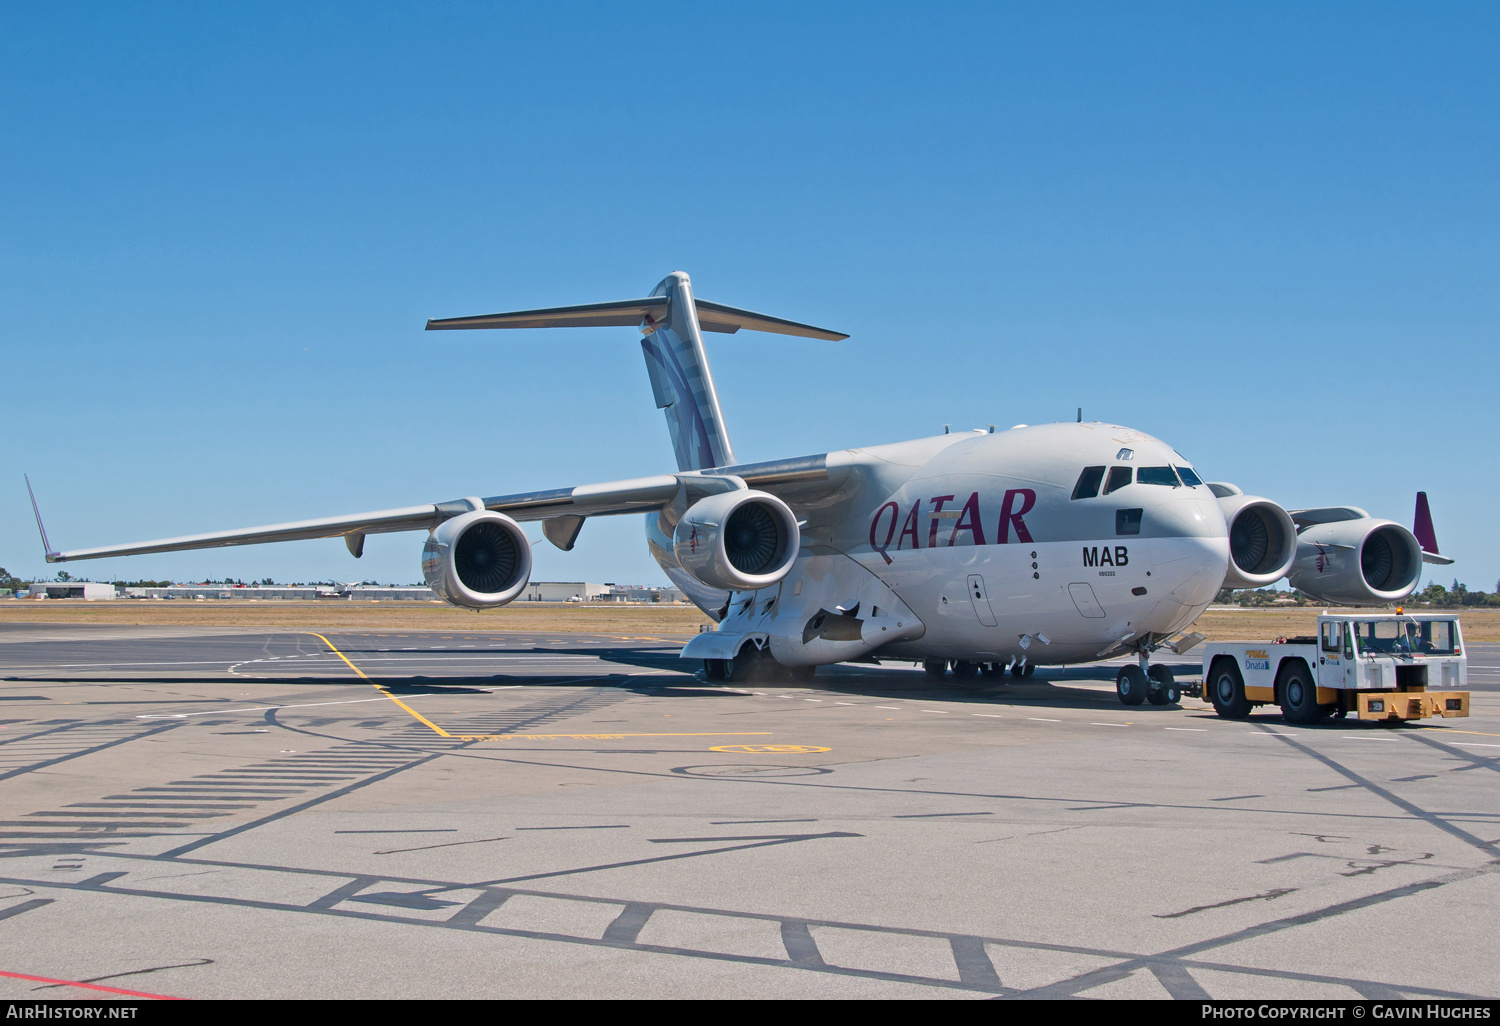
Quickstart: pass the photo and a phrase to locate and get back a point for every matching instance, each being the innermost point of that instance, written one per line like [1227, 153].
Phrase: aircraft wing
[635, 495]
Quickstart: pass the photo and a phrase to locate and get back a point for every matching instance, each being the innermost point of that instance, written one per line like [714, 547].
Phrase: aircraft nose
[1185, 515]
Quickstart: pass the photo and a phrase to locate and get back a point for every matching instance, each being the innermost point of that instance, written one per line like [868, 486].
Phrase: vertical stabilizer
[681, 381]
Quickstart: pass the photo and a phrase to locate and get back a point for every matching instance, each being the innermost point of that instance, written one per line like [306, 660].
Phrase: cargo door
[1083, 598]
[981, 600]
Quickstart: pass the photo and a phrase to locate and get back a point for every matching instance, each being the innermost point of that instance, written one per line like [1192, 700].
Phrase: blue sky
[1265, 233]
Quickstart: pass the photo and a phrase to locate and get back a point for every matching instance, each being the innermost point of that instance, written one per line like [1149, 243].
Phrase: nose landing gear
[1147, 682]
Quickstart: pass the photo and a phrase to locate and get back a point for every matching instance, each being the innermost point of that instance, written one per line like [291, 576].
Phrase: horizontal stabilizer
[632, 312]
[728, 319]
[629, 312]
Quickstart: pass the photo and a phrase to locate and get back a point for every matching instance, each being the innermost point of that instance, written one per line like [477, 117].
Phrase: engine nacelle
[1262, 540]
[1357, 562]
[478, 560]
[738, 541]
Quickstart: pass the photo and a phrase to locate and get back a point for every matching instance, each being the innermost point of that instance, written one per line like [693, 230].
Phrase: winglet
[46, 547]
[1426, 536]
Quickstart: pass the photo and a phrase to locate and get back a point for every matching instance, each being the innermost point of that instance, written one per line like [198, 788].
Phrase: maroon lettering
[1010, 516]
[890, 531]
[969, 521]
[937, 507]
[910, 528]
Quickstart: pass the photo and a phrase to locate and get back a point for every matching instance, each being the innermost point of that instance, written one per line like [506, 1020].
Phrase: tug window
[1332, 637]
[1088, 483]
[1119, 477]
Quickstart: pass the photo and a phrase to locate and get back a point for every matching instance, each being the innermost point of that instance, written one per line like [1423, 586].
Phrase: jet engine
[478, 560]
[738, 541]
[1262, 538]
[1358, 562]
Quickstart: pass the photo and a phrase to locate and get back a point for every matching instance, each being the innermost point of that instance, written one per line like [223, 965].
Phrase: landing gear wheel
[992, 669]
[1163, 689]
[965, 670]
[752, 665]
[1131, 685]
[936, 668]
[713, 669]
[1025, 671]
[1226, 689]
[1299, 695]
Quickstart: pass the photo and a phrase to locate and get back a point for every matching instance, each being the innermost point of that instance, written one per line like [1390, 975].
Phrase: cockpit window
[1158, 476]
[1119, 477]
[1128, 521]
[1088, 483]
[1189, 478]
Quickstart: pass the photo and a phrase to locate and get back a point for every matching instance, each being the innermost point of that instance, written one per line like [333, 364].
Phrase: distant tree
[63, 575]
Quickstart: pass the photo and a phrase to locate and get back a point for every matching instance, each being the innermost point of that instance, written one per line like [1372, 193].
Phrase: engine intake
[477, 560]
[738, 541]
[1262, 540]
[1357, 562]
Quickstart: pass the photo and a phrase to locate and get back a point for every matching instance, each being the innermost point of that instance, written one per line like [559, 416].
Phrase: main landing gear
[1147, 683]
[757, 666]
[966, 672]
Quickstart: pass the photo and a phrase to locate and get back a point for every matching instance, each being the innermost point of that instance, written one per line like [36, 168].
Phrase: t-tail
[672, 320]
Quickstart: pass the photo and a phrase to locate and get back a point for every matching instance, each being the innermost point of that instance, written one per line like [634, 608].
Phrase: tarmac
[211, 812]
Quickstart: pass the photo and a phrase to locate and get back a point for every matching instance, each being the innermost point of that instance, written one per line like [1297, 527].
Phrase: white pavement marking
[993, 716]
[812, 700]
[940, 712]
[1042, 719]
[1109, 724]
[1473, 744]
[887, 707]
[1199, 730]
[845, 703]
[263, 708]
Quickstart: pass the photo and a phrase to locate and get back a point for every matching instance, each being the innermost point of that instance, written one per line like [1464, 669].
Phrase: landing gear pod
[738, 541]
[477, 560]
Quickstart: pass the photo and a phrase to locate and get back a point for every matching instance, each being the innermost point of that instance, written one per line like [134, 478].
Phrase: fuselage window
[1189, 478]
[1088, 483]
[1157, 476]
[1119, 477]
[1127, 521]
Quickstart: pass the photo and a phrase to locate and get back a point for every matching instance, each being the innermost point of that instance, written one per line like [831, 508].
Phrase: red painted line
[92, 986]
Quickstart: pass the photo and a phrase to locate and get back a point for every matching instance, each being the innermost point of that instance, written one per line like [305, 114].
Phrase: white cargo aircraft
[973, 553]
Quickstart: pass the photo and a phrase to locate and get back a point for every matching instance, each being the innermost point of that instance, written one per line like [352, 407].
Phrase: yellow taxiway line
[515, 737]
[423, 719]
